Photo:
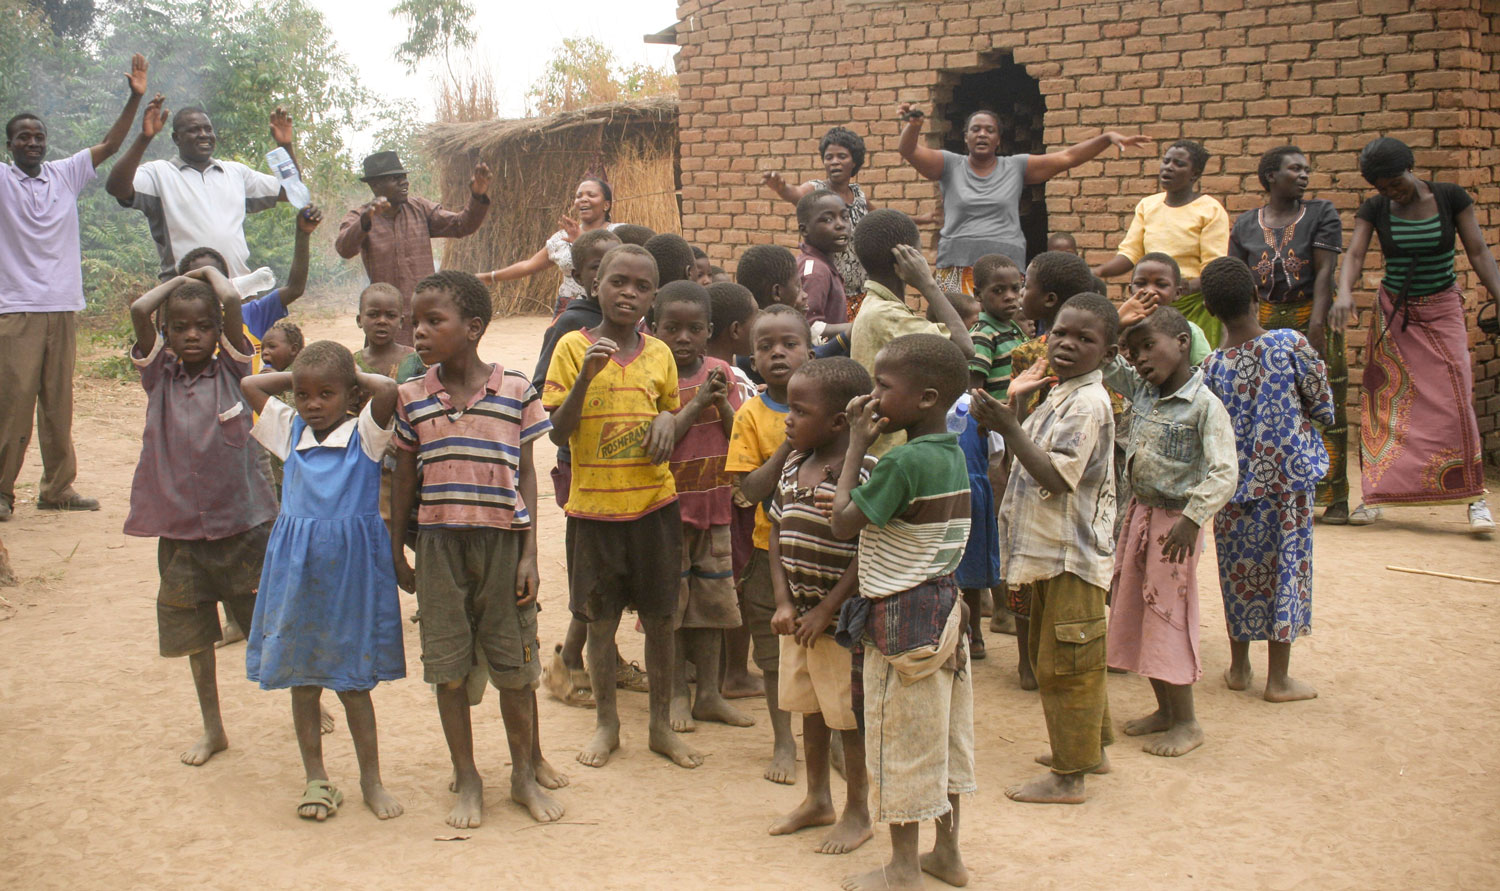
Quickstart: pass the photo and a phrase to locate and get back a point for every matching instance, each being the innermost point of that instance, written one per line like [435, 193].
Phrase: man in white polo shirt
[196, 200]
[41, 290]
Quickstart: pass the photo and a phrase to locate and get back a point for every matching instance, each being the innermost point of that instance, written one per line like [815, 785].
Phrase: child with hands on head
[757, 453]
[613, 392]
[470, 425]
[813, 573]
[707, 605]
[198, 489]
[912, 519]
[320, 623]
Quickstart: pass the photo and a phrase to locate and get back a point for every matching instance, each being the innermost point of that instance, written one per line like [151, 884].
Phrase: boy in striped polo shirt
[912, 519]
[470, 426]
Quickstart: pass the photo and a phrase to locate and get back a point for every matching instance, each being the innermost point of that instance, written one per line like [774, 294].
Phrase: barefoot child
[198, 488]
[1055, 525]
[612, 392]
[379, 317]
[322, 623]
[1181, 464]
[470, 426]
[706, 603]
[1274, 386]
[912, 519]
[813, 574]
[757, 453]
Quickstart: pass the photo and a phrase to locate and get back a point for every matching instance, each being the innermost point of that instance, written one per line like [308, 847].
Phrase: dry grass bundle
[537, 164]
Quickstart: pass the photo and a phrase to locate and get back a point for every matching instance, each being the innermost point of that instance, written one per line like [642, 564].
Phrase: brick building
[761, 80]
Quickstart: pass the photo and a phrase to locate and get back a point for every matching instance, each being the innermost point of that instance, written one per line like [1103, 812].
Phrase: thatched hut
[537, 164]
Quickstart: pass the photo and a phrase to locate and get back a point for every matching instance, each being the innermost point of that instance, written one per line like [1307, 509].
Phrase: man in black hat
[392, 232]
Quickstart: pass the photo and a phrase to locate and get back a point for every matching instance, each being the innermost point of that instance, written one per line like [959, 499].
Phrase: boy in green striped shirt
[997, 283]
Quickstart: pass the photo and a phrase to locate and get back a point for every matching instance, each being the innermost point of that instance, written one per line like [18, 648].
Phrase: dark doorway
[1005, 88]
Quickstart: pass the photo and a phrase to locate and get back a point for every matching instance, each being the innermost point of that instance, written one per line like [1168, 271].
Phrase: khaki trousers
[37, 350]
[1067, 654]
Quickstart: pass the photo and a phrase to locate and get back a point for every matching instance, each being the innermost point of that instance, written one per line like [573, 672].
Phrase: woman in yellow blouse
[1179, 221]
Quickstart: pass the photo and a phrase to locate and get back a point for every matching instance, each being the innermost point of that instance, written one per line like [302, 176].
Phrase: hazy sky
[515, 40]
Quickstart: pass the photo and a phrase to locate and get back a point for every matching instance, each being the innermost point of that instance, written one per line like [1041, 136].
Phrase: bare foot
[851, 831]
[746, 686]
[1238, 678]
[325, 721]
[810, 812]
[1049, 788]
[1101, 770]
[1156, 722]
[1003, 623]
[666, 743]
[783, 766]
[526, 792]
[715, 708]
[548, 776]
[596, 753]
[468, 811]
[946, 865]
[1179, 740]
[380, 802]
[1028, 678]
[1289, 689]
[681, 715]
[883, 879]
[205, 748]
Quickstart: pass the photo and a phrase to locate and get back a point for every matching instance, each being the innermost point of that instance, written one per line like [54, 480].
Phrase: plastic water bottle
[958, 415]
[262, 279]
[291, 181]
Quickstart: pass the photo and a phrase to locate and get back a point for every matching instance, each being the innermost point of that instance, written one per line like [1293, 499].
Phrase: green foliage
[433, 27]
[583, 71]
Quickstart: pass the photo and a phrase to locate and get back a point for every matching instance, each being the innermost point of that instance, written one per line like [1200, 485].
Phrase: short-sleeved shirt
[613, 477]
[1282, 257]
[981, 214]
[188, 208]
[470, 455]
[703, 485]
[883, 317]
[812, 557]
[273, 429]
[41, 268]
[917, 502]
[994, 342]
[759, 430]
[196, 478]
[1192, 234]
[1423, 249]
[258, 316]
[826, 300]
[1044, 533]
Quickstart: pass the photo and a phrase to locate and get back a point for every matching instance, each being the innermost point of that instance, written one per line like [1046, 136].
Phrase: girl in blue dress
[327, 615]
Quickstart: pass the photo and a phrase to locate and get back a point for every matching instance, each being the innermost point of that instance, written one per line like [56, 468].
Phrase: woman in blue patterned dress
[1274, 386]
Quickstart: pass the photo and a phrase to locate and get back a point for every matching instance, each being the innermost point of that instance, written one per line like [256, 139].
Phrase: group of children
[764, 476]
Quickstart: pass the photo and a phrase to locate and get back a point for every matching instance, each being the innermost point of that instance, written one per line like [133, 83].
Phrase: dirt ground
[1388, 780]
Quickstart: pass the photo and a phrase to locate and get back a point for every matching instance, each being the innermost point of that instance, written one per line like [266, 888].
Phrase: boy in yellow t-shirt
[612, 391]
[757, 451]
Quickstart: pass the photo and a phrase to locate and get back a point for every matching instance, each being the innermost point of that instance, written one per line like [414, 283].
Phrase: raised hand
[1125, 142]
[1137, 307]
[911, 265]
[281, 126]
[989, 412]
[774, 180]
[480, 183]
[1030, 380]
[570, 227]
[379, 207]
[137, 76]
[309, 219]
[713, 387]
[597, 356]
[155, 117]
[910, 114]
[865, 424]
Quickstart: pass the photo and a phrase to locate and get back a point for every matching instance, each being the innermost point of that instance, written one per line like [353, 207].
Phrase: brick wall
[761, 81]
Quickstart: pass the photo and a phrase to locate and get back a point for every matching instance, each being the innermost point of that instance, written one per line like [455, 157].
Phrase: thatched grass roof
[537, 163]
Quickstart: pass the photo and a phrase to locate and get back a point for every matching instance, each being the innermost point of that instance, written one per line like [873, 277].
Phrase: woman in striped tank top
[1419, 440]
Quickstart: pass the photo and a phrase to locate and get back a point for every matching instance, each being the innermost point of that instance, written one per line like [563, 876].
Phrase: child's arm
[913, 269]
[1312, 383]
[995, 415]
[296, 279]
[403, 496]
[382, 393]
[566, 416]
[845, 518]
[234, 323]
[816, 620]
[784, 620]
[144, 307]
[259, 388]
[528, 579]
[757, 485]
[1209, 495]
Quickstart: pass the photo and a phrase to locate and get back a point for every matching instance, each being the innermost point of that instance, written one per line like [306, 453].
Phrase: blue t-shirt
[263, 312]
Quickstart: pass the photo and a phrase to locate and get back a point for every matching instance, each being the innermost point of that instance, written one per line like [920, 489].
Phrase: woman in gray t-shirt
[982, 190]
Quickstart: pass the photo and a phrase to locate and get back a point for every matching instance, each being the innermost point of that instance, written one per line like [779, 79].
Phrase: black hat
[382, 164]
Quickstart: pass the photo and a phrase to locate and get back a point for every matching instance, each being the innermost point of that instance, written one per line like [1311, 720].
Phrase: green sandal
[322, 794]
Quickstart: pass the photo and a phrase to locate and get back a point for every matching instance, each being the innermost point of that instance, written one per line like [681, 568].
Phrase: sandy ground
[1388, 780]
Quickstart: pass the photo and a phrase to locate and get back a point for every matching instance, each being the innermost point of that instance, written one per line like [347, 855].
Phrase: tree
[583, 72]
[433, 29]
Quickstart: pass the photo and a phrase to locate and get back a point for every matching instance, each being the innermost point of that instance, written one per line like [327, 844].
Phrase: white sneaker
[1363, 516]
[1480, 521]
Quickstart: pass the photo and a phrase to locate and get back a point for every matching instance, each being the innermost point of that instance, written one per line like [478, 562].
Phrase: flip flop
[568, 685]
[323, 794]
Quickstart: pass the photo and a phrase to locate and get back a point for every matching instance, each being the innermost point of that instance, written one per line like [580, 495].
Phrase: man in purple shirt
[41, 290]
